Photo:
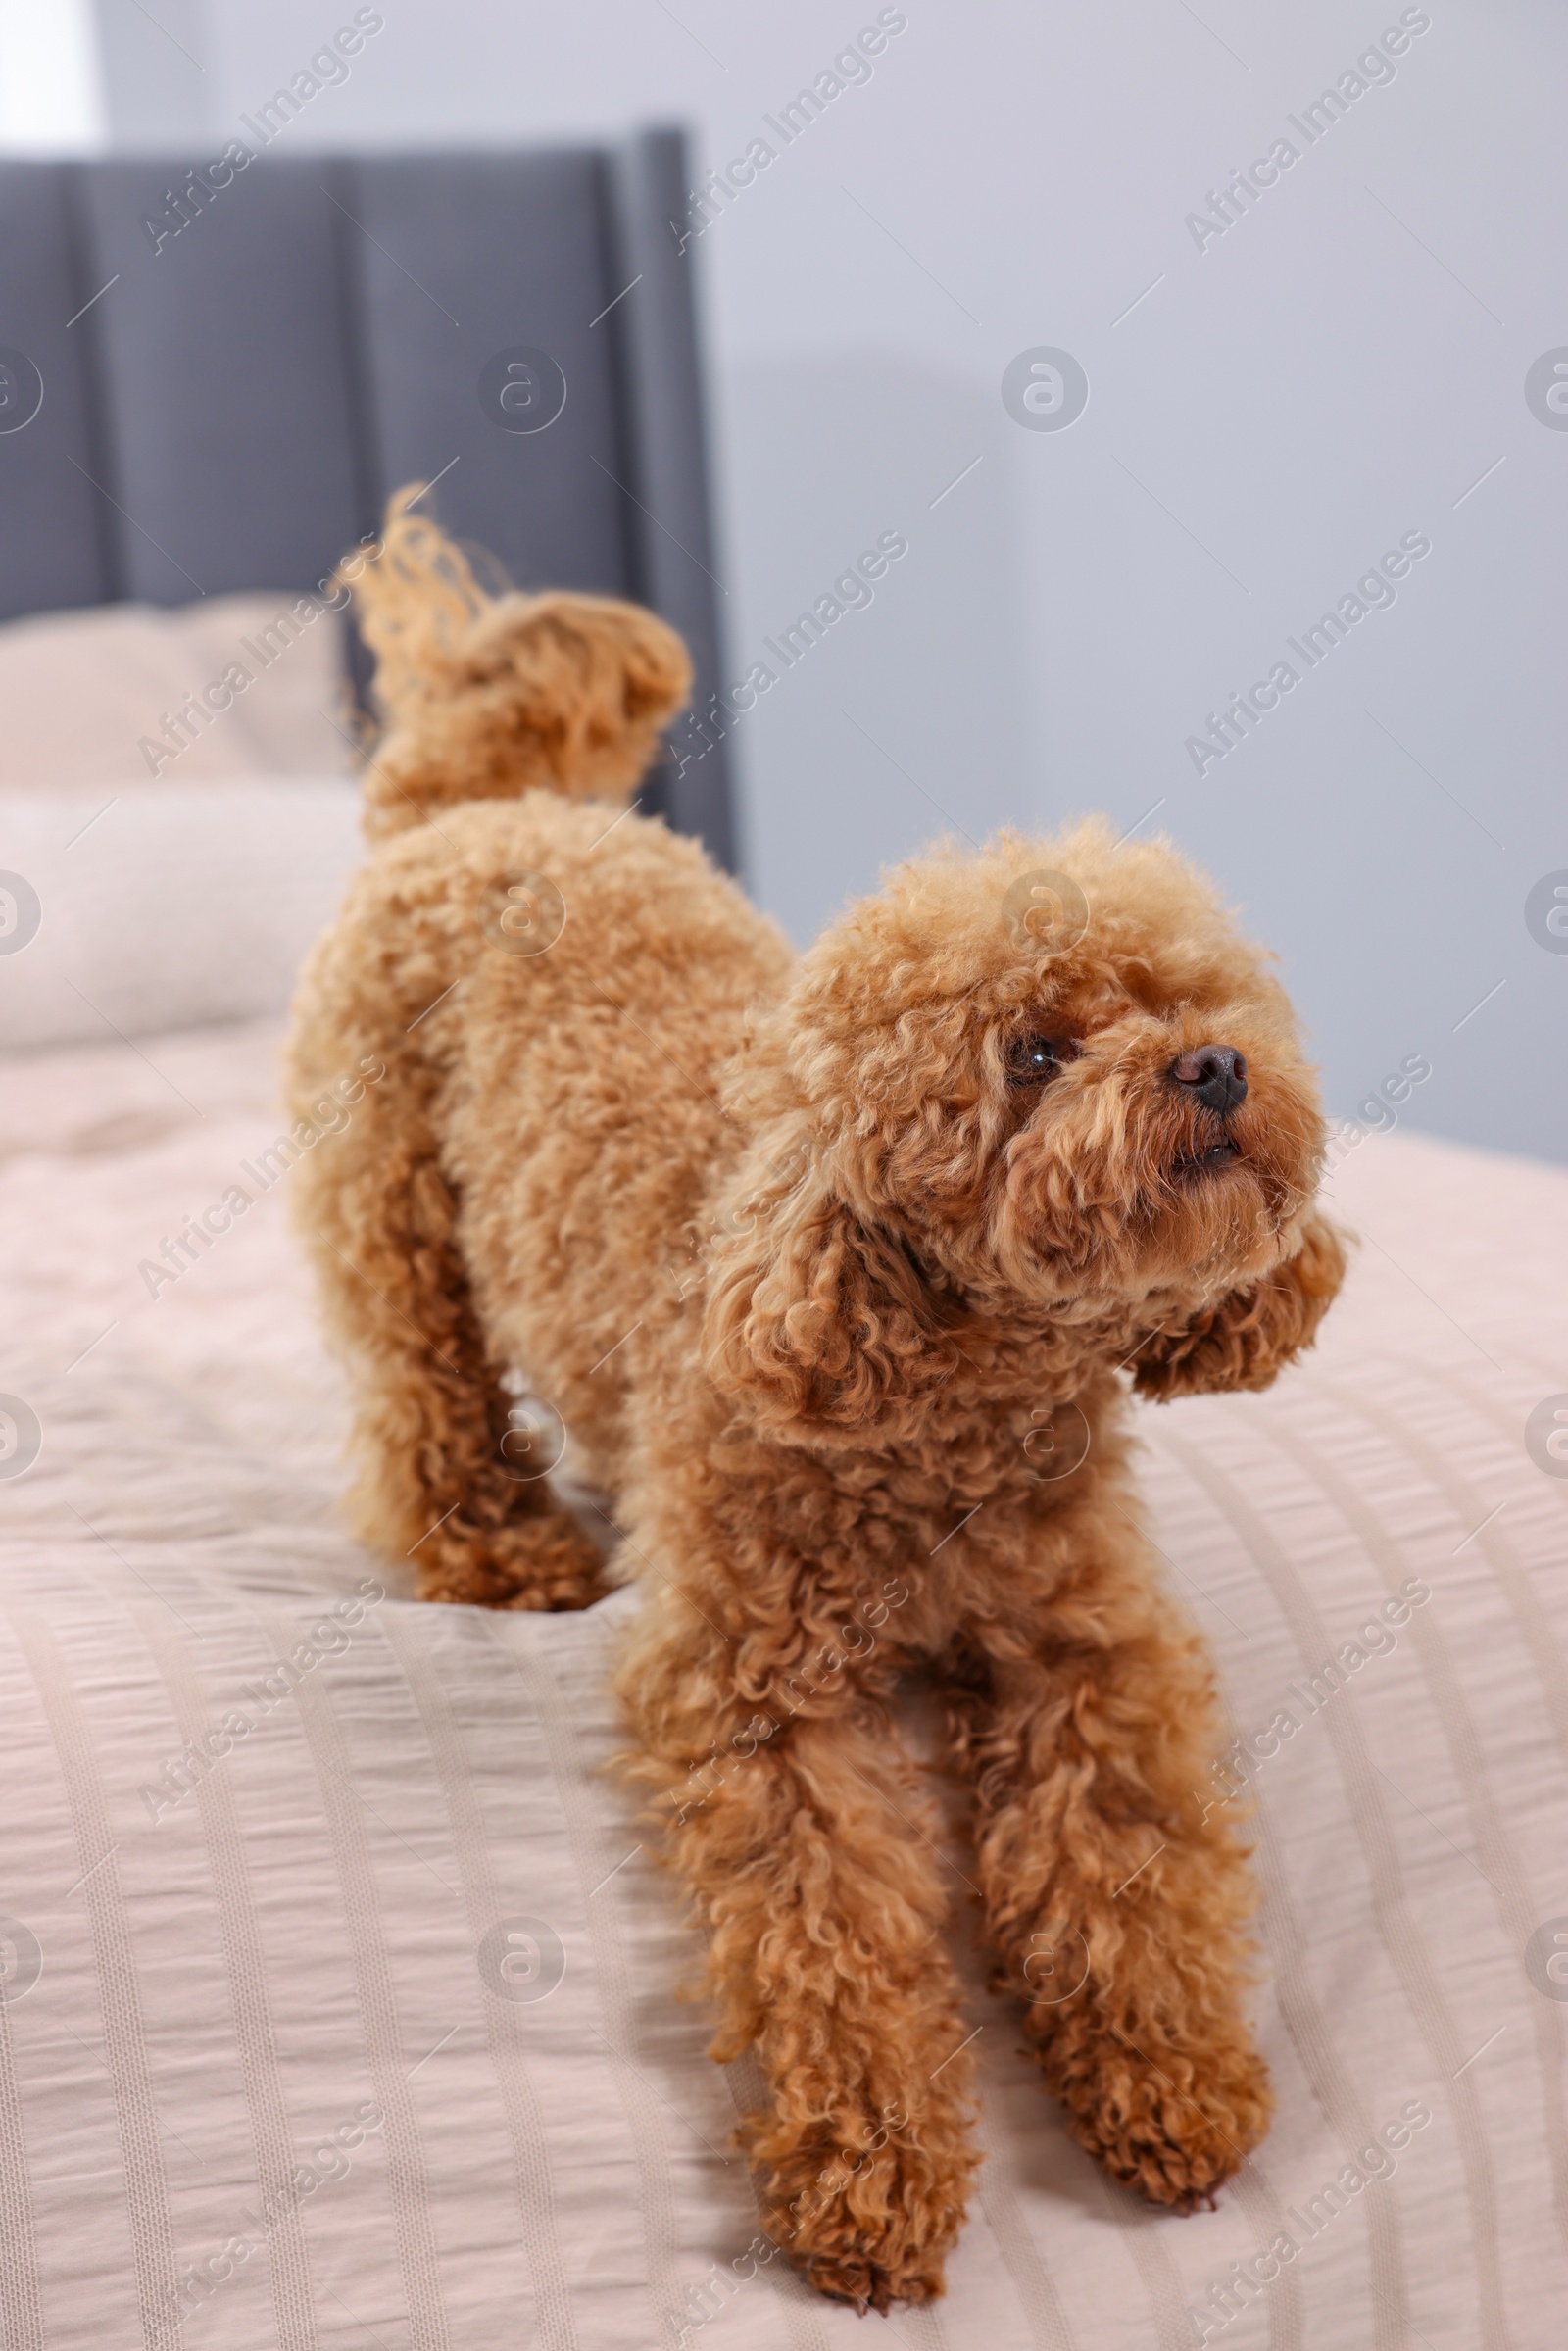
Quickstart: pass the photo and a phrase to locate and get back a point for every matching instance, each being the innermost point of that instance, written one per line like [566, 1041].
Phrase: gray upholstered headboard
[240, 359]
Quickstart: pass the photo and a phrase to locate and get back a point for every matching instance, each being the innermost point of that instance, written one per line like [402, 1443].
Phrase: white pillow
[234, 686]
[163, 905]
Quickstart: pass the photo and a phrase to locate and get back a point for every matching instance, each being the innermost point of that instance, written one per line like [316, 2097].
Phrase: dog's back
[536, 997]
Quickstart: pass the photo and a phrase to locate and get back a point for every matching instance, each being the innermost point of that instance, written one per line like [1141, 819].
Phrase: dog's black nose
[1216, 1074]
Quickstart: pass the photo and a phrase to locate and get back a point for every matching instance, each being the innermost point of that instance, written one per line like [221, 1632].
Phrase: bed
[339, 1980]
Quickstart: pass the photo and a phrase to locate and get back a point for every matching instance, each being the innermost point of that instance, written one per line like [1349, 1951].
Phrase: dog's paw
[871, 2236]
[1174, 2124]
[547, 1563]
[861, 2275]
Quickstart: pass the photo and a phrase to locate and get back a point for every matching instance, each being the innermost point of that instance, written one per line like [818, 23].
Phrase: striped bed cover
[359, 2028]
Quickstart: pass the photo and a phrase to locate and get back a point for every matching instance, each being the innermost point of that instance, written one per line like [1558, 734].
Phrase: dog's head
[1045, 1087]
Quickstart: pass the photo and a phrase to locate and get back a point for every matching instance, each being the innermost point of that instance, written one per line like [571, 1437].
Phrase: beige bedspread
[272, 2072]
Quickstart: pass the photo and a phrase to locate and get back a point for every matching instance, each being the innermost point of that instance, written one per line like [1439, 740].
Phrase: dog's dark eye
[1031, 1059]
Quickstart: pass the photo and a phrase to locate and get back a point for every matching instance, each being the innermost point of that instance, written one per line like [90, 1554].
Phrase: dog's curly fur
[838, 1271]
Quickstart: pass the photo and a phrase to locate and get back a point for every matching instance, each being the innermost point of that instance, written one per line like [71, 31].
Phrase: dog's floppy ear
[813, 1315]
[1252, 1335]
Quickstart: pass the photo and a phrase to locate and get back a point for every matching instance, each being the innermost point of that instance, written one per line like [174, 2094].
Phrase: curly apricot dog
[838, 1271]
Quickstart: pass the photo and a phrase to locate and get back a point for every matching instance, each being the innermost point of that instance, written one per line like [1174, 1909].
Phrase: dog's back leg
[429, 1413]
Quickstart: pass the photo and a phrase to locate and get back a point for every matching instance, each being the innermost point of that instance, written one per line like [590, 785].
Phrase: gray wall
[1341, 366]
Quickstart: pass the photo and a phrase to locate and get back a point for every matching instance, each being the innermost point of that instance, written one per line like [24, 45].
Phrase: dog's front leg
[1115, 1887]
[795, 1828]
[827, 1910]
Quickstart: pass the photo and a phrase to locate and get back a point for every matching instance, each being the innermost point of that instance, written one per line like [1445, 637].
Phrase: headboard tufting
[212, 371]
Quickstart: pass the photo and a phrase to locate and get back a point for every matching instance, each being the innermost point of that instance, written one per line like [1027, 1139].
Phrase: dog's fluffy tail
[482, 695]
